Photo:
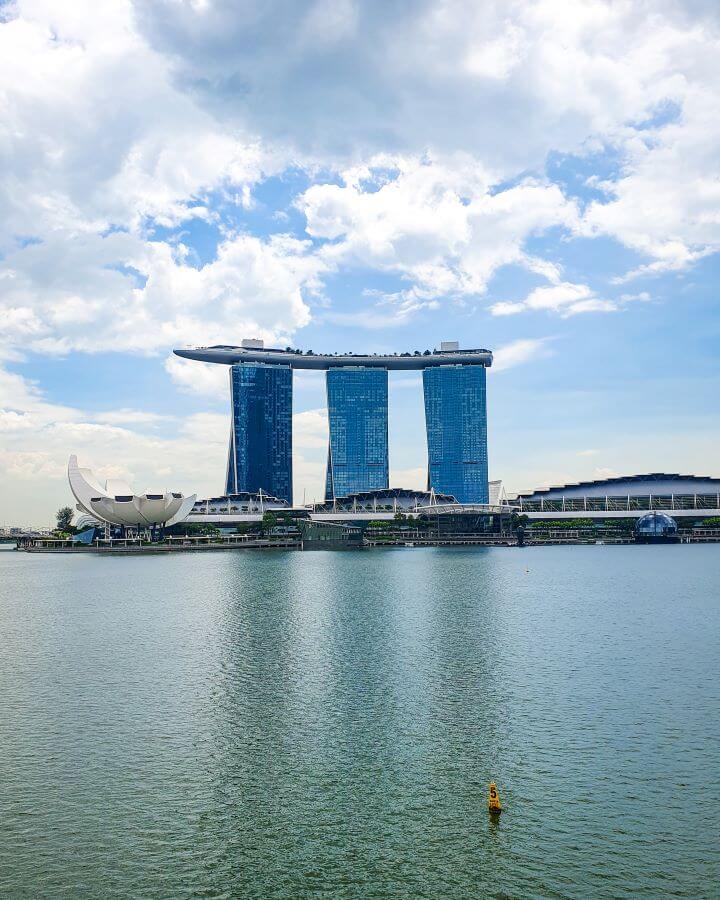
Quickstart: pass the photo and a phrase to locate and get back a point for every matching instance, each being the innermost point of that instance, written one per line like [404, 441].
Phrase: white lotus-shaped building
[118, 504]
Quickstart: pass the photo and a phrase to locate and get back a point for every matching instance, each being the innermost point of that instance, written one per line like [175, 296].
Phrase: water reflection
[283, 724]
[352, 710]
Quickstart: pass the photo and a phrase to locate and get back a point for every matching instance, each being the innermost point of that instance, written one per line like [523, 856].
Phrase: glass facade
[456, 423]
[260, 456]
[358, 420]
[655, 526]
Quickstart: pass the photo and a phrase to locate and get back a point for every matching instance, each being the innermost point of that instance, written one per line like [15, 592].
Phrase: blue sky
[345, 176]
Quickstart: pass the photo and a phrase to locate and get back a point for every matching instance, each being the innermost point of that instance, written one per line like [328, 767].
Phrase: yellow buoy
[494, 805]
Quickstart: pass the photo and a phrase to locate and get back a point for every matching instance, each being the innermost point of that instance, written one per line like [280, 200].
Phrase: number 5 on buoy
[494, 805]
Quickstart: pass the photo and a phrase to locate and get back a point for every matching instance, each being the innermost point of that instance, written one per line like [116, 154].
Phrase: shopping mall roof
[632, 485]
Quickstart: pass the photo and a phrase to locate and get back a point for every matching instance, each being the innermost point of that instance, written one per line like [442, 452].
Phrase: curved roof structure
[296, 359]
[118, 504]
[630, 485]
[656, 523]
[245, 500]
[405, 497]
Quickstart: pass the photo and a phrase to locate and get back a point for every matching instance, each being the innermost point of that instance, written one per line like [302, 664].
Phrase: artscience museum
[117, 504]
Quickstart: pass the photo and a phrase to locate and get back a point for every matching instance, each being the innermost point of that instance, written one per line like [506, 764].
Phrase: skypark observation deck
[297, 359]
[260, 454]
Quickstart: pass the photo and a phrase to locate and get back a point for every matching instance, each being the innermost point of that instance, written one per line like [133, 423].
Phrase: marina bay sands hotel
[260, 454]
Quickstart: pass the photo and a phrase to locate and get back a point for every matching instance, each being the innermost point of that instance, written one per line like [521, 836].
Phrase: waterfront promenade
[408, 539]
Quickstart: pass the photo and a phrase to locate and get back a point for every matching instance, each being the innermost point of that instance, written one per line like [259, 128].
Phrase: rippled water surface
[284, 724]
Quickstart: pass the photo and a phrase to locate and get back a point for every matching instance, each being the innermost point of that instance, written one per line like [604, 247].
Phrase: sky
[535, 177]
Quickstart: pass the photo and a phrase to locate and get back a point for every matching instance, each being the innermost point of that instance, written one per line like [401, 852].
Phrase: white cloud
[519, 352]
[37, 437]
[310, 429]
[505, 81]
[436, 222]
[564, 297]
[118, 292]
[201, 378]
[99, 143]
[423, 128]
[592, 304]
[96, 132]
[413, 479]
[664, 204]
[131, 417]
[118, 122]
[498, 57]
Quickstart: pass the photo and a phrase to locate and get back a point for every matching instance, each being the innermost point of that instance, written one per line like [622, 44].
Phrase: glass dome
[656, 525]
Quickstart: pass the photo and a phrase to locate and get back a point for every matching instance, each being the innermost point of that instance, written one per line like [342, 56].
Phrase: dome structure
[656, 527]
[118, 504]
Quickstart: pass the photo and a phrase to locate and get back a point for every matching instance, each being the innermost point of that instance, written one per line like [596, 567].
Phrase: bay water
[287, 724]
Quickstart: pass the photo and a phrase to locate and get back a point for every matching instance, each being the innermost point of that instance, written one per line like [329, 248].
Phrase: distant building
[687, 495]
[358, 424]
[238, 504]
[389, 500]
[357, 389]
[117, 504]
[330, 536]
[656, 528]
[260, 454]
[456, 422]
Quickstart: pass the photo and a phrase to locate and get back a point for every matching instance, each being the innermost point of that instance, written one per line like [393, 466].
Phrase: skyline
[538, 182]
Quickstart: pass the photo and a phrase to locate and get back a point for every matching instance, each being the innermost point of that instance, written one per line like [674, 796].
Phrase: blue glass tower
[358, 420]
[260, 456]
[456, 423]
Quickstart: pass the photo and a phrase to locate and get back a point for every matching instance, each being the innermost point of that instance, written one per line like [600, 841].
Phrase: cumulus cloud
[95, 131]
[665, 203]
[310, 429]
[437, 222]
[37, 437]
[565, 299]
[116, 124]
[516, 353]
[563, 296]
[406, 77]
[122, 293]
[505, 83]
[98, 146]
[423, 131]
[199, 378]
